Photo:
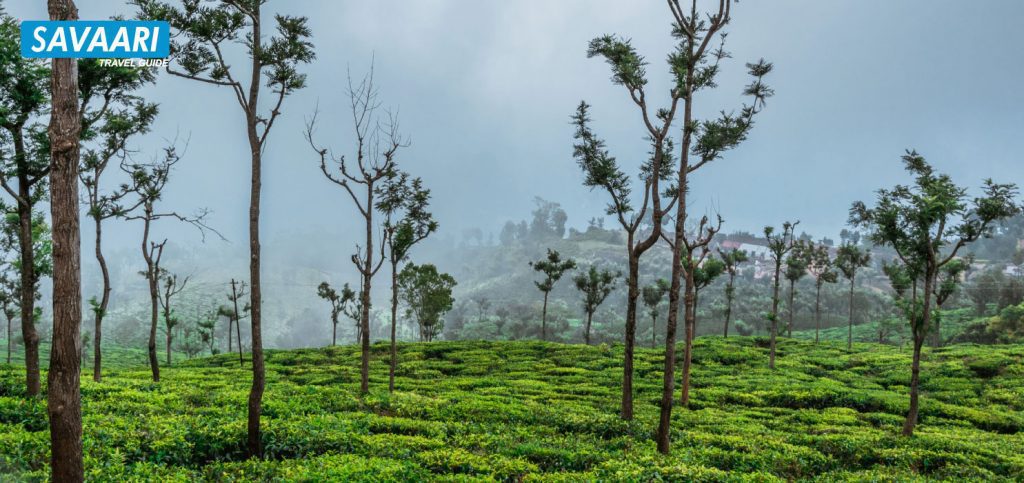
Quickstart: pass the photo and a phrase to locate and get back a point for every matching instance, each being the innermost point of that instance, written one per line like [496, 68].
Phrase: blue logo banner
[95, 39]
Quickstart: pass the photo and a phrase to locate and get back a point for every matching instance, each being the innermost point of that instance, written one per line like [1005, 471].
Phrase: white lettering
[77, 41]
[120, 40]
[57, 40]
[141, 35]
[99, 40]
[37, 34]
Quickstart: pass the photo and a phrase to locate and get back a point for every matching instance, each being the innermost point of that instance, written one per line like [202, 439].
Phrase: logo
[95, 39]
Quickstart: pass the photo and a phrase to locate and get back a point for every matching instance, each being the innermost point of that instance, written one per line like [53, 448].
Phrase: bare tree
[200, 33]
[377, 145]
[695, 64]
[238, 292]
[64, 405]
[122, 116]
[148, 181]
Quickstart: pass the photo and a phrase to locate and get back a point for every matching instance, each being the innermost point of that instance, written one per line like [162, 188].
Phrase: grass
[525, 411]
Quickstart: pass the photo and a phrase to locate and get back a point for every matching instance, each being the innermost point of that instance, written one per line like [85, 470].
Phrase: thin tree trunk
[817, 314]
[654, 330]
[364, 336]
[663, 435]
[152, 272]
[544, 319]
[690, 319]
[8, 337]
[238, 323]
[627, 366]
[792, 296]
[231, 321]
[255, 445]
[915, 369]
[27, 291]
[97, 363]
[394, 325]
[775, 319]
[728, 304]
[590, 316]
[63, 380]
[849, 337]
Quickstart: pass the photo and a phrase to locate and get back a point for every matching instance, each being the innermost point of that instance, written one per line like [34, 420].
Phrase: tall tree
[602, 171]
[148, 181]
[63, 397]
[404, 202]
[111, 115]
[25, 158]
[732, 260]
[653, 295]
[822, 268]
[200, 33]
[927, 223]
[428, 295]
[849, 259]
[172, 287]
[376, 151]
[695, 65]
[779, 245]
[595, 285]
[796, 268]
[552, 267]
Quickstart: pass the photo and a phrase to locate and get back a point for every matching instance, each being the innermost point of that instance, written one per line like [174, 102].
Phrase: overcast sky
[485, 91]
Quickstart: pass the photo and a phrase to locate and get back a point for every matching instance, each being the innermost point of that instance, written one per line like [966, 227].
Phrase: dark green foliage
[513, 411]
[428, 296]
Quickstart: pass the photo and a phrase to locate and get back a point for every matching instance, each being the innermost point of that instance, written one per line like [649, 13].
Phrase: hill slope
[525, 410]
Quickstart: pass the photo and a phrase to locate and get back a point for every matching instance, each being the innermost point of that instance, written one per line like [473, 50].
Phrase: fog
[484, 91]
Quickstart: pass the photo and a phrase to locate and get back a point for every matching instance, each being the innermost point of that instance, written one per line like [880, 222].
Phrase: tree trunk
[8, 337]
[662, 437]
[919, 333]
[63, 384]
[849, 337]
[792, 296]
[27, 292]
[654, 330]
[152, 272]
[238, 323]
[728, 304]
[255, 445]
[775, 318]
[97, 363]
[544, 319]
[168, 346]
[817, 314]
[231, 321]
[364, 324]
[586, 337]
[627, 366]
[690, 320]
[394, 325]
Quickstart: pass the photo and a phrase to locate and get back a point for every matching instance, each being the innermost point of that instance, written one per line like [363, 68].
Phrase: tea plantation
[532, 411]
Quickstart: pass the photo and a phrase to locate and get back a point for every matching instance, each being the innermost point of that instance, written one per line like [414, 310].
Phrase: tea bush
[533, 411]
